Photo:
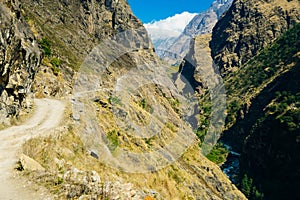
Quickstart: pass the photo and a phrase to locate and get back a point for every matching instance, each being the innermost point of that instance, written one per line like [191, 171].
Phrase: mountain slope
[262, 93]
[89, 23]
[248, 27]
[264, 128]
[277, 128]
[259, 62]
[102, 55]
[204, 22]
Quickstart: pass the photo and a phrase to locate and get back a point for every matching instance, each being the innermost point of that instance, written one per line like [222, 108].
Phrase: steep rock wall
[248, 27]
[20, 59]
[73, 29]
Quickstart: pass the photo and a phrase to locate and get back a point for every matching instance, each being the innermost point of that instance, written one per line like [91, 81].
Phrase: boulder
[29, 164]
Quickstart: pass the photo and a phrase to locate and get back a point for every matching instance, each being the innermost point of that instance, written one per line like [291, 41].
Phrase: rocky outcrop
[202, 23]
[202, 75]
[20, 59]
[197, 64]
[81, 25]
[88, 185]
[248, 27]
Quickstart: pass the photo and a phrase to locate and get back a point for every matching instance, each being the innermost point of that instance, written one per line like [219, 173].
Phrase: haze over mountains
[165, 32]
[172, 45]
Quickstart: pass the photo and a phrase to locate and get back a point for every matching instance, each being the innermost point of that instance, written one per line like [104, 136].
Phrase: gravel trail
[47, 116]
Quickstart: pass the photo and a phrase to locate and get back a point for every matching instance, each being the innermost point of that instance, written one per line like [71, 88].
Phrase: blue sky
[154, 10]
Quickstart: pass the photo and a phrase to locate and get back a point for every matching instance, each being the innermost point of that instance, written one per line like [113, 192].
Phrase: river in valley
[232, 165]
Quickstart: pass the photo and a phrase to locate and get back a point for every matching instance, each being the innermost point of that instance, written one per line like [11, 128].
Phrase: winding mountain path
[48, 115]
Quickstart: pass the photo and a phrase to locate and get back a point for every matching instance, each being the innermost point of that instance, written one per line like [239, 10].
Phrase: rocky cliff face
[270, 148]
[248, 27]
[198, 62]
[20, 59]
[200, 72]
[83, 43]
[255, 46]
[202, 23]
[88, 24]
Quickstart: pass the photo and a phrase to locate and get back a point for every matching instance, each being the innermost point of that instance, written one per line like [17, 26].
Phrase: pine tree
[246, 186]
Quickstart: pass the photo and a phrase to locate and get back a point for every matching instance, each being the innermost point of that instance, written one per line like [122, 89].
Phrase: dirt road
[48, 115]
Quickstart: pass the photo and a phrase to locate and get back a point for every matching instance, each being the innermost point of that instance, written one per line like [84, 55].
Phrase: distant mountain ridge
[204, 22]
[174, 52]
[164, 32]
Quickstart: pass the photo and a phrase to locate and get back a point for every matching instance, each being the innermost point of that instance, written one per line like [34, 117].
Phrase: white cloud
[170, 27]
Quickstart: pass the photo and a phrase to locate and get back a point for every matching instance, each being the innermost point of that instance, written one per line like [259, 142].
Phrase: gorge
[120, 123]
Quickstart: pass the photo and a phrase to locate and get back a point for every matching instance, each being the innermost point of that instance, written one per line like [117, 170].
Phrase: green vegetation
[233, 107]
[277, 129]
[114, 100]
[26, 18]
[58, 181]
[171, 70]
[174, 174]
[112, 137]
[218, 154]
[249, 189]
[175, 103]
[204, 118]
[260, 70]
[149, 141]
[46, 45]
[55, 62]
[171, 127]
[146, 106]
[286, 108]
[201, 135]
[246, 185]
[249, 80]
